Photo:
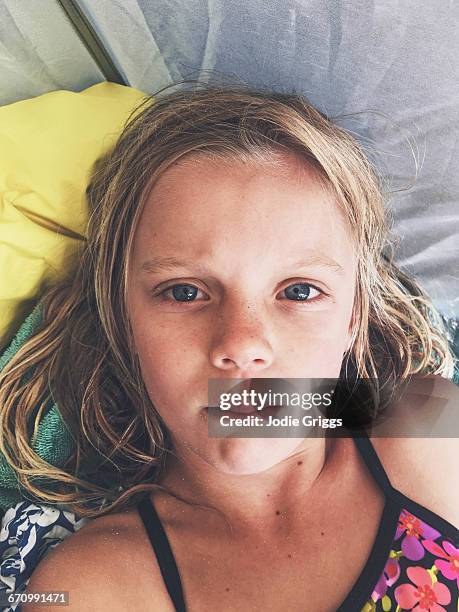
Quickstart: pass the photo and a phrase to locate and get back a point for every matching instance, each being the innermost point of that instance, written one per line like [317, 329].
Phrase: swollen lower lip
[244, 410]
[251, 410]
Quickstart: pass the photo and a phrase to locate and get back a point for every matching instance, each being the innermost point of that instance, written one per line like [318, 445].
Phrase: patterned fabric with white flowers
[27, 532]
[421, 573]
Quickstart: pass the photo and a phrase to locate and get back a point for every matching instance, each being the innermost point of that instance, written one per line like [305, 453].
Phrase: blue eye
[300, 292]
[183, 293]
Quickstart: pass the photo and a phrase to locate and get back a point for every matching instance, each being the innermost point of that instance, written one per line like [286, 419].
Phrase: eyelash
[162, 294]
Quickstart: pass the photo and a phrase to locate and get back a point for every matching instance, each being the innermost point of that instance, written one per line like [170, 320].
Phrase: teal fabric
[27, 329]
[53, 441]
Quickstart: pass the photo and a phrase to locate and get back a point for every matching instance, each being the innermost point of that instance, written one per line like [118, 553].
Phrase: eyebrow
[162, 263]
[319, 261]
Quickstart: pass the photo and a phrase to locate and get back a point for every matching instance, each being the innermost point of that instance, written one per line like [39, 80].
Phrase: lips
[244, 409]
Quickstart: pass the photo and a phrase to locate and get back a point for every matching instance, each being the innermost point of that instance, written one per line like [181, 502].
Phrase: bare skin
[292, 538]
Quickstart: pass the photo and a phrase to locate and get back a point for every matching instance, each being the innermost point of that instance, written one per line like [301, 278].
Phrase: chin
[245, 456]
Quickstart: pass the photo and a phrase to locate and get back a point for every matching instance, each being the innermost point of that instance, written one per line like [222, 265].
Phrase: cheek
[159, 351]
[322, 359]
[315, 349]
[167, 356]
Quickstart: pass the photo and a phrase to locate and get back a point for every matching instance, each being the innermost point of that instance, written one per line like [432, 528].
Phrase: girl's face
[236, 239]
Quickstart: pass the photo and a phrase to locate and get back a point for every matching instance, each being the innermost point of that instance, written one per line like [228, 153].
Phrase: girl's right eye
[181, 293]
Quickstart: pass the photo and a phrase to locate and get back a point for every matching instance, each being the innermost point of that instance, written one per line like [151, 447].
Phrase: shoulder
[424, 470]
[422, 464]
[101, 567]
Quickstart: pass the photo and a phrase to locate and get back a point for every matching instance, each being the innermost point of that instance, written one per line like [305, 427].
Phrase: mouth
[247, 410]
[244, 409]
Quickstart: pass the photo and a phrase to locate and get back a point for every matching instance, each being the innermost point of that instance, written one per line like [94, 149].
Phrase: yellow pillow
[48, 145]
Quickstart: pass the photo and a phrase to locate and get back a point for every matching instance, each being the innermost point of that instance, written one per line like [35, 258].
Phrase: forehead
[201, 203]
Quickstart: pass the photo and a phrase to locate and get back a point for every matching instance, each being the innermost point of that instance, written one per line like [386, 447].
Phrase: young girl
[234, 234]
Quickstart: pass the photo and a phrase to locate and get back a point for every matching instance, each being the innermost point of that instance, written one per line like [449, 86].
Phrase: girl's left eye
[300, 292]
[183, 293]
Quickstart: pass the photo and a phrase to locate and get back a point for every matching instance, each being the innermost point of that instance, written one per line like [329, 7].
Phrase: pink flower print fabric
[421, 573]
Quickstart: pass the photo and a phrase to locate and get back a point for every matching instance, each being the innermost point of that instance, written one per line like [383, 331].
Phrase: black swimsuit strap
[164, 554]
[372, 461]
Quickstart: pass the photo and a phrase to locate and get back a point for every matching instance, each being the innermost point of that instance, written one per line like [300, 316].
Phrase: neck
[256, 502]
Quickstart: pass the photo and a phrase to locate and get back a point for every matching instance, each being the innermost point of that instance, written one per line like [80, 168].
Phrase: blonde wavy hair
[83, 356]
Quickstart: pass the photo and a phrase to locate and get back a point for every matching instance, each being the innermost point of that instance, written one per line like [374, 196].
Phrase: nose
[240, 344]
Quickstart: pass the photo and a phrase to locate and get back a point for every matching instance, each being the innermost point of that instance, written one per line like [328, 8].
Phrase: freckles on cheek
[164, 348]
[155, 348]
[327, 327]
[160, 367]
[320, 341]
